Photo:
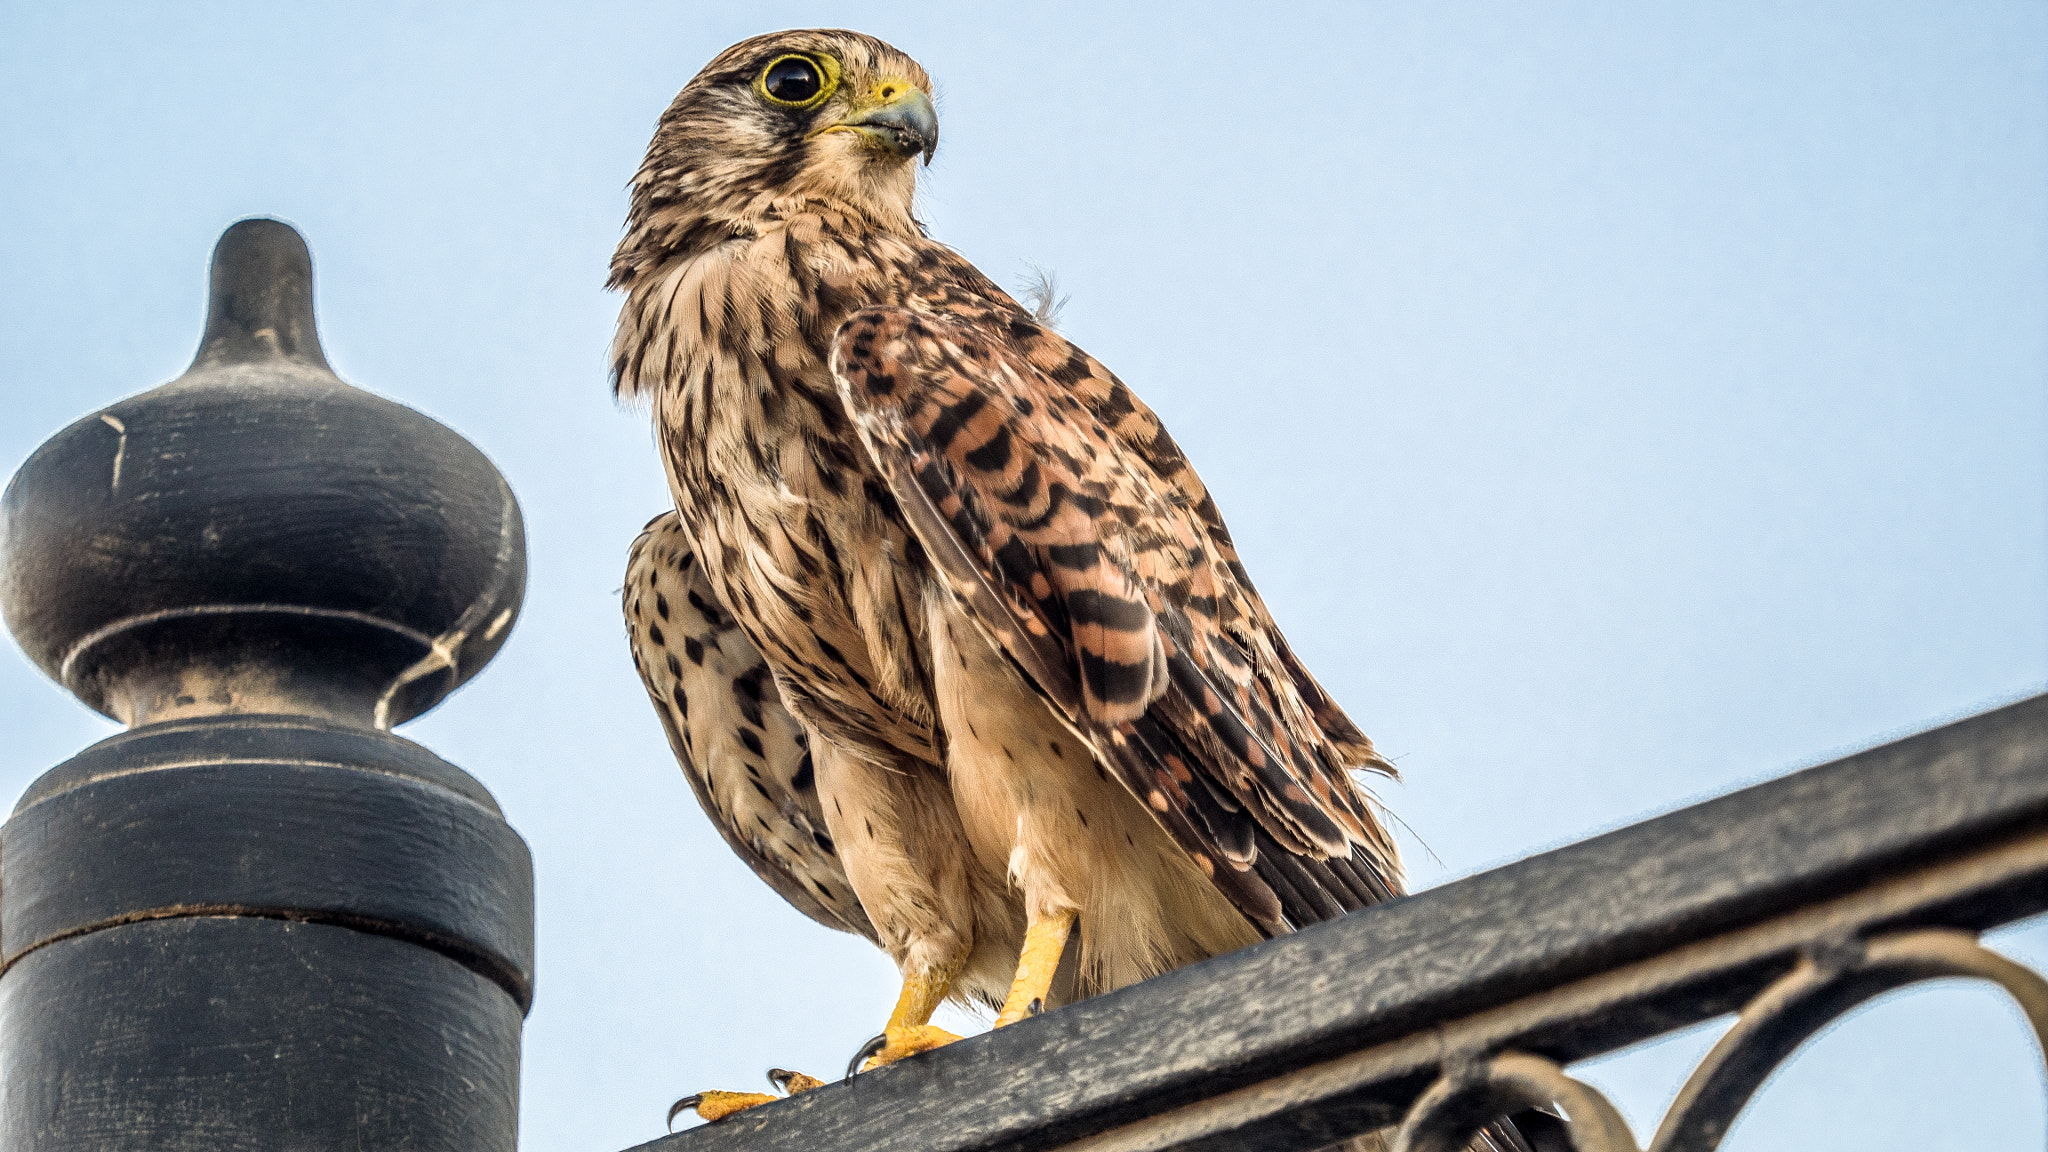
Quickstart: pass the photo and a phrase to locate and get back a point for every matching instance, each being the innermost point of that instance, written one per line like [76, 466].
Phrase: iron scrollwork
[1828, 980]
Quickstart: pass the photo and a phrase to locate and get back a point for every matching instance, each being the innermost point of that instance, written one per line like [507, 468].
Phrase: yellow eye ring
[811, 80]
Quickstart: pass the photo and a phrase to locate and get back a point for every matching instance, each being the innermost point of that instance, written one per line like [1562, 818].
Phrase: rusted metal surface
[1790, 902]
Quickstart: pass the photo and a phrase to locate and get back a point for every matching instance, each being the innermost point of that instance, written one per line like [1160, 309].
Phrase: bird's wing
[745, 756]
[1115, 593]
[1128, 418]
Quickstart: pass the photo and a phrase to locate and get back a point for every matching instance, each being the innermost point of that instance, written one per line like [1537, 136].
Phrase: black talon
[780, 1077]
[866, 1050]
[676, 1108]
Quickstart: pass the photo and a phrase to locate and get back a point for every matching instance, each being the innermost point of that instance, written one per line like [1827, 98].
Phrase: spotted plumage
[745, 756]
[1000, 612]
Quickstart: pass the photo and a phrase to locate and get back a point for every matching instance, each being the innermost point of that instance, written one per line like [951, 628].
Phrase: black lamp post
[257, 919]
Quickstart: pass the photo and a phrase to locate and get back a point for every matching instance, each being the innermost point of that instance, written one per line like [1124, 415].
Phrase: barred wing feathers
[745, 756]
[1111, 403]
[1101, 567]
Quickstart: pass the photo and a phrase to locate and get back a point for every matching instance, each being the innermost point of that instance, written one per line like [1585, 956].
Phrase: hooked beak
[903, 124]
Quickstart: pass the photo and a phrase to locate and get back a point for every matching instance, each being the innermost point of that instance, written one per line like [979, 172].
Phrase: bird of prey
[952, 643]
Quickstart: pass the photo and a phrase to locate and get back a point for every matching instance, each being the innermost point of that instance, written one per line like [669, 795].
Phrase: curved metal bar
[1827, 982]
[1461, 1103]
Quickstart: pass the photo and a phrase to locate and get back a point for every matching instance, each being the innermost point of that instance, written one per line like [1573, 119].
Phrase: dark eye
[792, 80]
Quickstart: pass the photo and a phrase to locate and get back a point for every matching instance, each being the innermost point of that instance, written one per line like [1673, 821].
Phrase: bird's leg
[909, 1030]
[1045, 939]
[717, 1105]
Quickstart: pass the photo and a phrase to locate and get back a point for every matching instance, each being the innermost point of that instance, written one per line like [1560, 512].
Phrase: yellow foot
[718, 1105]
[897, 1043]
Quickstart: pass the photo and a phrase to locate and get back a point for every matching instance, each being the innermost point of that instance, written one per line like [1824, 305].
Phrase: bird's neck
[814, 261]
[664, 234]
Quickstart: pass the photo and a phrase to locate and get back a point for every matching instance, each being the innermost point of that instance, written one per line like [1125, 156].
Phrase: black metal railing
[1789, 902]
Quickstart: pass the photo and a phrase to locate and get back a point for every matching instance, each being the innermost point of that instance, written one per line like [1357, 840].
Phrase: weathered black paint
[258, 919]
[248, 815]
[257, 527]
[232, 1034]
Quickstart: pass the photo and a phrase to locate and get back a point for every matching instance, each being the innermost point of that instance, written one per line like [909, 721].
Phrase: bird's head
[819, 115]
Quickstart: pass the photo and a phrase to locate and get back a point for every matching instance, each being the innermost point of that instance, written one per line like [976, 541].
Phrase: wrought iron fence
[1789, 903]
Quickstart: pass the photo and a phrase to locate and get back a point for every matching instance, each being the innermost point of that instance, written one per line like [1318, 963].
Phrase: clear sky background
[1617, 403]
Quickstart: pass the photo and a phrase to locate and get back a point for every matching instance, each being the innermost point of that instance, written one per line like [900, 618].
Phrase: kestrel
[951, 641]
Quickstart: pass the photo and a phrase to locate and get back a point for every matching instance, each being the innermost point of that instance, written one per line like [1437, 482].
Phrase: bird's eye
[797, 81]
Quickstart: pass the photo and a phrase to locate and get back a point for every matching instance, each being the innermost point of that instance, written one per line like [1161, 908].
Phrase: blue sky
[1617, 403]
